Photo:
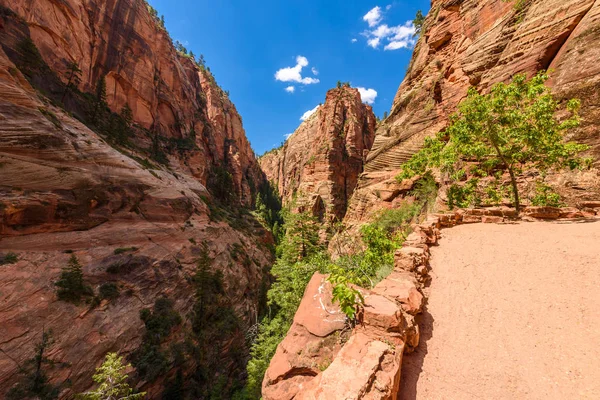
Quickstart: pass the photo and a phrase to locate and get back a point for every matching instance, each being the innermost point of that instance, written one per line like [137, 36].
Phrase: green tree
[100, 103]
[513, 127]
[301, 236]
[418, 23]
[71, 286]
[112, 382]
[74, 79]
[34, 383]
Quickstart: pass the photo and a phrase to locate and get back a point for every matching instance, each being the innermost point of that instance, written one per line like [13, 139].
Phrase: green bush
[8, 258]
[512, 128]
[546, 196]
[122, 250]
[149, 359]
[109, 290]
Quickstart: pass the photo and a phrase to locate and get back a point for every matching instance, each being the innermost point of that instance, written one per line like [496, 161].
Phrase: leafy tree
[74, 79]
[513, 127]
[418, 23]
[112, 382]
[35, 382]
[71, 286]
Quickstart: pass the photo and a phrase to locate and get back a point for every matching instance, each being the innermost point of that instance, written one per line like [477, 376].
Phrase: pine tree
[418, 23]
[301, 236]
[74, 79]
[71, 286]
[100, 103]
[112, 381]
[35, 382]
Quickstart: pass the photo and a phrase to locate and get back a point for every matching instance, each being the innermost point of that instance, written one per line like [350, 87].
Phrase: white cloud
[367, 95]
[373, 17]
[314, 71]
[393, 37]
[294, 74]
[307, 114]
[354, 40]
[387, 8]
[290, 89]
[374, 42]
[288, 135]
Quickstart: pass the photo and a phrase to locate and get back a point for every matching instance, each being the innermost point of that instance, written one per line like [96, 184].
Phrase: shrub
[109, 290]
[122, 250]
[8, 258]
[546, 196]
[112, 381]
[34, 382]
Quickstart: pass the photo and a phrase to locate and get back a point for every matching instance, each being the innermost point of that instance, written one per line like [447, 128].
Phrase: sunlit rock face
[320, 163]
[479, 43]
[64, 189]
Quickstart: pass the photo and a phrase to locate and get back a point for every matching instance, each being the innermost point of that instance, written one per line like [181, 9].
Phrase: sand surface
[513, 313]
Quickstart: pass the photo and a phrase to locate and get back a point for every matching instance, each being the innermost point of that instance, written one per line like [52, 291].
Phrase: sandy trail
[513, 313]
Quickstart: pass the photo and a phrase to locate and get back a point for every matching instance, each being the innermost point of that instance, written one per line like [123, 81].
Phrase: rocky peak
[468, 43]
[320, 162]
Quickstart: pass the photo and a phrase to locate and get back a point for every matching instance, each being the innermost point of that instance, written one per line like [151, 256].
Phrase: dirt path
[513, 313]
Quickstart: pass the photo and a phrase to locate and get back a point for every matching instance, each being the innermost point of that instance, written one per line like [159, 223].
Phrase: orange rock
[322, 159]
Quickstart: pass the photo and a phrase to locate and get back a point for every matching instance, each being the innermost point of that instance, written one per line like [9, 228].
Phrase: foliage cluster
[112, 381]
[300, 254]
[8, 258]
[71, 286]
[512, 128]
[34, 382]
[149, 359]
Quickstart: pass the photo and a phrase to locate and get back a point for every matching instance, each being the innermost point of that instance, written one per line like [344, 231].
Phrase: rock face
[321, 161]
[130, 221]
[167, 93]
[322, 357]
[478, 43]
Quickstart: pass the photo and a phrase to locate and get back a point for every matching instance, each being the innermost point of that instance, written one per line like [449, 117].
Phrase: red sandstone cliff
[65, 189]
[472, 42]
[321, 161]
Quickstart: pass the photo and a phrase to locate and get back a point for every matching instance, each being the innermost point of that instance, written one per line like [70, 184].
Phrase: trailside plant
[513, 127]
[112, 382]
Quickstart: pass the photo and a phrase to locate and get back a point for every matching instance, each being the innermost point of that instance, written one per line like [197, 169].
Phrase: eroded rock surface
[478, 43]
[321, 161]
[65, 190]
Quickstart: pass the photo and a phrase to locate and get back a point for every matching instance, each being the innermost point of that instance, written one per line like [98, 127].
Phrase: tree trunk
[513, 182]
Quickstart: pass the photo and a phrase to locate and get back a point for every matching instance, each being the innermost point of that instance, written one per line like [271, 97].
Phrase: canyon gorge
[210, 269]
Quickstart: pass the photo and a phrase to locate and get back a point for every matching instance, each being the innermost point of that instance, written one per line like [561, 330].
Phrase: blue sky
[245, 45]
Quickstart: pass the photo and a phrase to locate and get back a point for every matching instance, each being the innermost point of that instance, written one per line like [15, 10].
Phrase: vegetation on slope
[300, 254]
[512, 128]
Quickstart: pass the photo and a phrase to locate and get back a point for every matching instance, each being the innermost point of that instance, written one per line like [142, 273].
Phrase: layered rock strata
[478, 43]
[132, 221]
[320, 162]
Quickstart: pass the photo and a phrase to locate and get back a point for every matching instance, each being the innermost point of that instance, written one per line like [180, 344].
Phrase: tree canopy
[513, 127]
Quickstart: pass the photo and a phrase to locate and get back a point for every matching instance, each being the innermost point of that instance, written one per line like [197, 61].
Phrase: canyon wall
[135, 221]
[468, 43]
[320, 162]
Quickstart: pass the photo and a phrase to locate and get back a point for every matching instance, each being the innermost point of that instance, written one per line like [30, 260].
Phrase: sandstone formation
[65, 189]
[478, 43]
[322, 357]
[321, 161]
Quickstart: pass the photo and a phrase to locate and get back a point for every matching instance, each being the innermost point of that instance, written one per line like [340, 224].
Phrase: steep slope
[137, 215]
[469, 42]
[320, 162]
